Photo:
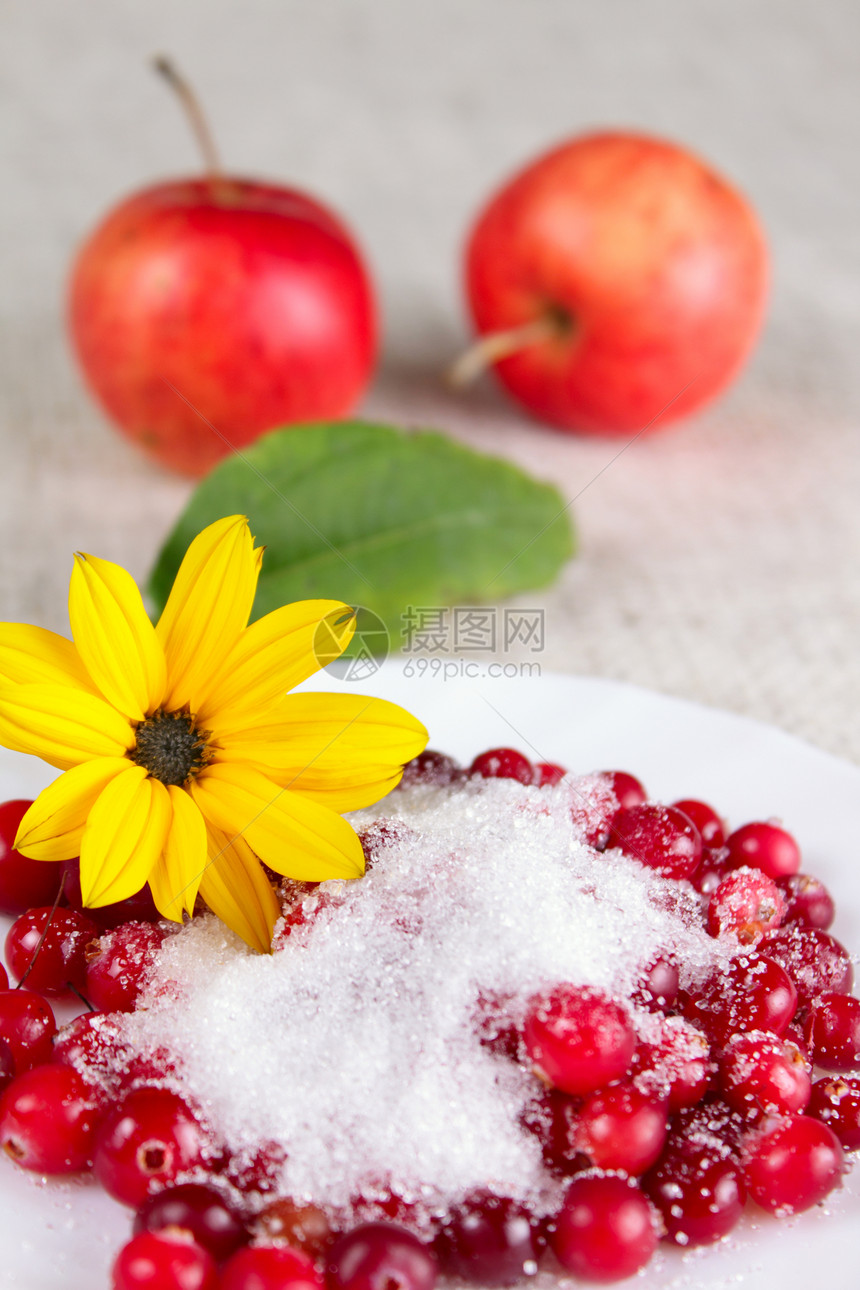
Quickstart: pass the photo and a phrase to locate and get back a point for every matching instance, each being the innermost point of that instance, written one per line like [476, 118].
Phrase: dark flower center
[170, 747]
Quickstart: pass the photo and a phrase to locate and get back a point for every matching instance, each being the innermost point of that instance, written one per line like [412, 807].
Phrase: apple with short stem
[617, 284]
[205, 311]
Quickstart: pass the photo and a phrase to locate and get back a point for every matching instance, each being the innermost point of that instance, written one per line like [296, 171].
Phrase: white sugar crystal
[355, 1044]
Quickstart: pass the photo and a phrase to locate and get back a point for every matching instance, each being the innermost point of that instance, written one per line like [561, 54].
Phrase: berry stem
[496, 345]
[35, 954]
[194, 112]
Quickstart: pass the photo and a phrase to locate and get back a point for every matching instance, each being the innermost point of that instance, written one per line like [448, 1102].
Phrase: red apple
[205, 311]
[619, 282]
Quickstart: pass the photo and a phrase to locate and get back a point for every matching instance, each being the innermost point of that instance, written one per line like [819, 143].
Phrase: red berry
[147, 1141]
[832, 1031]
[256, 1171]
[118, 963]
[706, 820]
[7, 1065]
[807, 901]
[270, 1267]
[27, 1024]
[758, 1072]
[713, 868]
[4, 978]
[816, 962]
[548, 773]
[48, 946]
[835, 1102]
[23, 882]
[376, 1256]
[48, 1120]
[754, 993]
[660, 837]
[794, 1165]
[139, 908]
[627, 788]
[746, 904]
[286, 1222]
[766, 847]
[604, 1230]
[503, 763]
[553, 1119]
[163, 1261]
[578, 1038]
[431, 767]
[657, 988]
[676, 1067]
[620, 1127]
[699, 1192]
[199, 1211]
[489, 1240]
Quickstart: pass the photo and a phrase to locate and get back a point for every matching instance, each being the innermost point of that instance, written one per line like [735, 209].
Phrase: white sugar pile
[355, 1045]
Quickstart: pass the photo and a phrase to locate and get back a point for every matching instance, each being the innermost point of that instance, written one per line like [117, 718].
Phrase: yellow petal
[124, 836]
[52, 827]
[272, 656]
[237, 890]
[114, 636]
[344, 750]
[62, 725]
[33, 656]
[289, 833]
[207, 608]
[176, 875]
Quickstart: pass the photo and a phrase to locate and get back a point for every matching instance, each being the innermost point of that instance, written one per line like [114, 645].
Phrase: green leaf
[381, 518]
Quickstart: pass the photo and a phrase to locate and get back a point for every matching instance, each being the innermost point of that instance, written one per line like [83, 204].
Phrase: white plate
[56, 1235]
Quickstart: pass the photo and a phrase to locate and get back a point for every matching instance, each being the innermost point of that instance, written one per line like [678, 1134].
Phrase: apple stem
[194, 112]
[497, 345]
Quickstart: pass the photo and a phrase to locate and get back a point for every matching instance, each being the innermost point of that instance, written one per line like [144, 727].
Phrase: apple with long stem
[616, 284]
[204, 311]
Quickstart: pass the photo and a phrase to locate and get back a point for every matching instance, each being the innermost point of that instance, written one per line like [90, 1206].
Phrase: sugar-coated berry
[23, 882]
[605, 1229]
[753, 993]
[620, 1127]
[627, 788]
[287, 1222]
[548, 773]
[835, 1101]
[758, 1072]
[832, 1031]
[431, 767]
[675, 1066]
[267, 1267]
[660, 837]
[489, 1240]
[118, 963]
[766, 847]
[164, 1261]
[793, 1166]
[816, 962]
[28, 1026]
[200, 1211]
[706, 820]
[47, 946]
[48, 1120]
[378, 1256]
[746, 904]
[578, 1038]
[699, 1192]
[503, 763]
[145, 1143]
[658, 985]
[807, 901]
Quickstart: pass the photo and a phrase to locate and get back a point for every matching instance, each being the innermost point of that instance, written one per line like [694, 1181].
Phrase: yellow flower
[185, 761]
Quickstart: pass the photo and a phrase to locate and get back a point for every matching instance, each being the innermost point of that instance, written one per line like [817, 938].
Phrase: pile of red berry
[658, 1130]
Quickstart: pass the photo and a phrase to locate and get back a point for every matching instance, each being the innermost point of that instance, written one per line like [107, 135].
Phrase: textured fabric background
[718, 562]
